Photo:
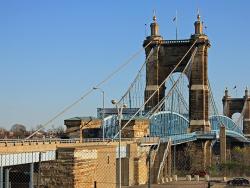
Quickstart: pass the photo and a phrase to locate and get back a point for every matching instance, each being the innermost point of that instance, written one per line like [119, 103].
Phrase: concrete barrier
[175, 178]
[207, 178]
[188, 177]
[196, 178]
[166, 179]
[162, 180]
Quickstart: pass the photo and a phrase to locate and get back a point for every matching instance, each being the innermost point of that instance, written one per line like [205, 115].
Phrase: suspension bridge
[172, 90]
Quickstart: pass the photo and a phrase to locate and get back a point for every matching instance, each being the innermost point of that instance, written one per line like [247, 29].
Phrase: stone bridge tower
[238, 105]
[169, 53]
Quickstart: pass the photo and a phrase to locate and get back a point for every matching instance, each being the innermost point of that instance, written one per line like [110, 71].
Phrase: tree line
[19, 131]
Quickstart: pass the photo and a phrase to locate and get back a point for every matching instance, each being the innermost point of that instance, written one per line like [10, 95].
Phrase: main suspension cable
[177, 65]
[90, 90]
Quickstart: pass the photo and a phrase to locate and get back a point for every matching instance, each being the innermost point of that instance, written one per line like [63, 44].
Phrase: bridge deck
[13, 152]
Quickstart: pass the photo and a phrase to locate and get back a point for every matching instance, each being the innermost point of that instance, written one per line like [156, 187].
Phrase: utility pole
[119, 113]
[103, 105]
[149, 169]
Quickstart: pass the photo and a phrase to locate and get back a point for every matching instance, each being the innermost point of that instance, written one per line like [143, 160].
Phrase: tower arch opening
[177, 94]
[238, 119]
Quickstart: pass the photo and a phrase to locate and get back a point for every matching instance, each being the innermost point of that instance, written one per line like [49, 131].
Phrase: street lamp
[97, 88]
[119, 113]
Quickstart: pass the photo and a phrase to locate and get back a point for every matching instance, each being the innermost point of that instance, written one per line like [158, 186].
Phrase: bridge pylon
[238, 105]
[167, 54]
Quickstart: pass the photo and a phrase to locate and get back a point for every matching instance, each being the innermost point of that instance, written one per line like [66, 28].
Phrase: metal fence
[22, 169]
[103, 167]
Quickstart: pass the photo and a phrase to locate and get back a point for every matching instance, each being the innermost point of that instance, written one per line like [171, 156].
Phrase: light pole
[119, 113]
[97, 88]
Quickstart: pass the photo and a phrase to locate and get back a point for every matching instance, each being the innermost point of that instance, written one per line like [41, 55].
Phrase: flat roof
[84, 118]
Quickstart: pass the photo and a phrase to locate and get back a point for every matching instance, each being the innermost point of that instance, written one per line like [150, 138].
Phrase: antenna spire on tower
[198, 24]
[198, 14]
[154, 15]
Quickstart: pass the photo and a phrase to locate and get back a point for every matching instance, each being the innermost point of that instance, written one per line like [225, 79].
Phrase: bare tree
[18, 130]
[57, 132]
[3, 132]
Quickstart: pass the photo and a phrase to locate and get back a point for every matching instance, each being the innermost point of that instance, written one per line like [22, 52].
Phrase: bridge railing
[108, 139]
[180, 138]
[7, 142]
[20, 142]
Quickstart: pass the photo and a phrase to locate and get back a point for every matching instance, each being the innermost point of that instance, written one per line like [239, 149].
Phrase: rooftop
[86, 118]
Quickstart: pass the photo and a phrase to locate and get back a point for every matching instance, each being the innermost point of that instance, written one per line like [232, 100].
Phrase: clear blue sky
[53, 51]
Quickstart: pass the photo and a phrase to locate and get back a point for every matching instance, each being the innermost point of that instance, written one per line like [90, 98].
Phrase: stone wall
[87, 166]
[200, 154]
[137, 128]
[81, 167]
[77, 124]
[105, 174]
[141, 170]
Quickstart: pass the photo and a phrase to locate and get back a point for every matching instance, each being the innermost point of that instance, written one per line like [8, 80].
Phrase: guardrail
[14, 142]
[107, 139]
[175, 139]
[20, 142]
[180, 138]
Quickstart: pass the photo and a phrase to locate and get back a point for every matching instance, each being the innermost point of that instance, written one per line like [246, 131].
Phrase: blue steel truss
[166, 124]
[219, 120]
[110, 126]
